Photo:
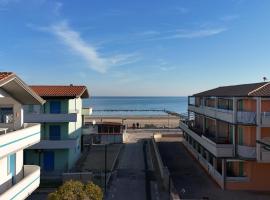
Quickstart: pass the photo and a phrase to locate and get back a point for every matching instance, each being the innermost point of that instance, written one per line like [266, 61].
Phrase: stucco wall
[8, 101]
[249, 105]
[259, 178]
[265, 106]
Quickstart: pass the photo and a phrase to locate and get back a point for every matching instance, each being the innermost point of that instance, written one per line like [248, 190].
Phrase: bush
[75, 190]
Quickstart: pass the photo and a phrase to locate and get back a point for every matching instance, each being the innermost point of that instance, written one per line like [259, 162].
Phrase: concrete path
[129, 181]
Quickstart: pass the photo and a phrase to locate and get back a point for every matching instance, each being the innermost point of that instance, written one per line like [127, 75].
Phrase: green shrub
[75, 190]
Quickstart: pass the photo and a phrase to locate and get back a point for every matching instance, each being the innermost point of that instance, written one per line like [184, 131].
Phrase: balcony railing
[219, 139]
[13, 141]
[50, 117]
[246, 151]
[56, 144]
[265, 118]
[246, 117]
[225, 115]
[23, 188]
[219, 150]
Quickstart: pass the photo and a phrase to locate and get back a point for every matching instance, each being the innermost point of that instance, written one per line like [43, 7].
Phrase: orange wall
[265, 106]
[249, 105]
[249, 135]
[265, 132]
[259, 178]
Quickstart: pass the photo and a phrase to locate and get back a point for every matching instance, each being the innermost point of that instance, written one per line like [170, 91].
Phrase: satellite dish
[264, 78]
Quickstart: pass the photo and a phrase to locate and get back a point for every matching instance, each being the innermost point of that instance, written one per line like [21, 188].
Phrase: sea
[139, 105]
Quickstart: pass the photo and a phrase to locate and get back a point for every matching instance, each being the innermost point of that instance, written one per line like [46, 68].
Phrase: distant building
[103, 133]
[17, 181]
[228, 132]
[61, 119]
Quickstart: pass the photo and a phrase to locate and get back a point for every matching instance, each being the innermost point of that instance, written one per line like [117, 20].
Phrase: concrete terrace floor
[189, 176]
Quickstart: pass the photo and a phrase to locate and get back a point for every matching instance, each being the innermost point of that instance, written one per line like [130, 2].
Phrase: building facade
[228, 132]
[61, 128]
[17, 181]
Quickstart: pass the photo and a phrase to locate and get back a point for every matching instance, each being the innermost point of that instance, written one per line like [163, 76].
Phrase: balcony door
[55, 107]
[48, 161]
[55, 132]
[12, 166]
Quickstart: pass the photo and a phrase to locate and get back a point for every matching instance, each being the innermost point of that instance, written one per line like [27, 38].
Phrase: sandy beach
[144, 121]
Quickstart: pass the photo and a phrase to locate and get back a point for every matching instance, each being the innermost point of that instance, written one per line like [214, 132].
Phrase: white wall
[7, 100]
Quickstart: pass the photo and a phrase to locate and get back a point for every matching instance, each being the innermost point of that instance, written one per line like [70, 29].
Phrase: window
[55, 132]
[55, 107]
[240, 135]
[30, 108]
[241, 105]
[6, 115]
[12, 165]
[241, 169]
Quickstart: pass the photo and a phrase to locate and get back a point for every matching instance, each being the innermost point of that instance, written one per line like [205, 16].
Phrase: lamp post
[105, 175]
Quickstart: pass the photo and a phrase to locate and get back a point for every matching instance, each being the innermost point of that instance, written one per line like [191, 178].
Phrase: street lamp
[105, 175]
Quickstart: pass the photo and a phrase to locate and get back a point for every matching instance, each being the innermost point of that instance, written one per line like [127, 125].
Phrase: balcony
[245, 117]
[56, 144]
[246, 151]
[221, 114]
[218, 150]
[265, 119]
[265, 149]
[22, 189]
[19, 139]
[50, 117]
[87, 111]
[87, 130]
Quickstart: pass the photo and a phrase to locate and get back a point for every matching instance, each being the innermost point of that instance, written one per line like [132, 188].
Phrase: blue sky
[148, 48]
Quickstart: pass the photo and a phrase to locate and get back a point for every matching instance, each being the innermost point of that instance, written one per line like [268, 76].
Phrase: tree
[75, 190]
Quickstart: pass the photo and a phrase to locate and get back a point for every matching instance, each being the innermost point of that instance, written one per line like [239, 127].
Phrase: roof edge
[257, 89]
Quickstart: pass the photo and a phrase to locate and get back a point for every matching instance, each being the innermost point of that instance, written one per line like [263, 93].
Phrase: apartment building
[228, 132]
[17, 180]
[61, 128]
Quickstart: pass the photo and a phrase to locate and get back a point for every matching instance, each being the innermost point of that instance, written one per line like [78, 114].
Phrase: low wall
[78, 176]
[163, 172]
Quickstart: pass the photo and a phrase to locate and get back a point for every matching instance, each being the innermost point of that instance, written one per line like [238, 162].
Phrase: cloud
[5, 2]
[57, 8]
[181, 10]
[166, 68]
[197, 33]
[187, 34]
[228, 18]
[88, 52]
[149, 33]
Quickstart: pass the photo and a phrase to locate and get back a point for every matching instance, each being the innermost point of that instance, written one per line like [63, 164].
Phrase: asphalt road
[191, 181]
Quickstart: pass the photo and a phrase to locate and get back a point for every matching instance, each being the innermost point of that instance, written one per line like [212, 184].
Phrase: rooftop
[14, 86]
[253, 89]
[4, 75]
[61, 91]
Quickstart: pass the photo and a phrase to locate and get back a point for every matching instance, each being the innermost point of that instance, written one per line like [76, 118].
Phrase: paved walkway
[129, 182]
[191, 181]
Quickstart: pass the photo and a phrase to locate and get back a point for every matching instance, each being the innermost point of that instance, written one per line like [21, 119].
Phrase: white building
[17, 181]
